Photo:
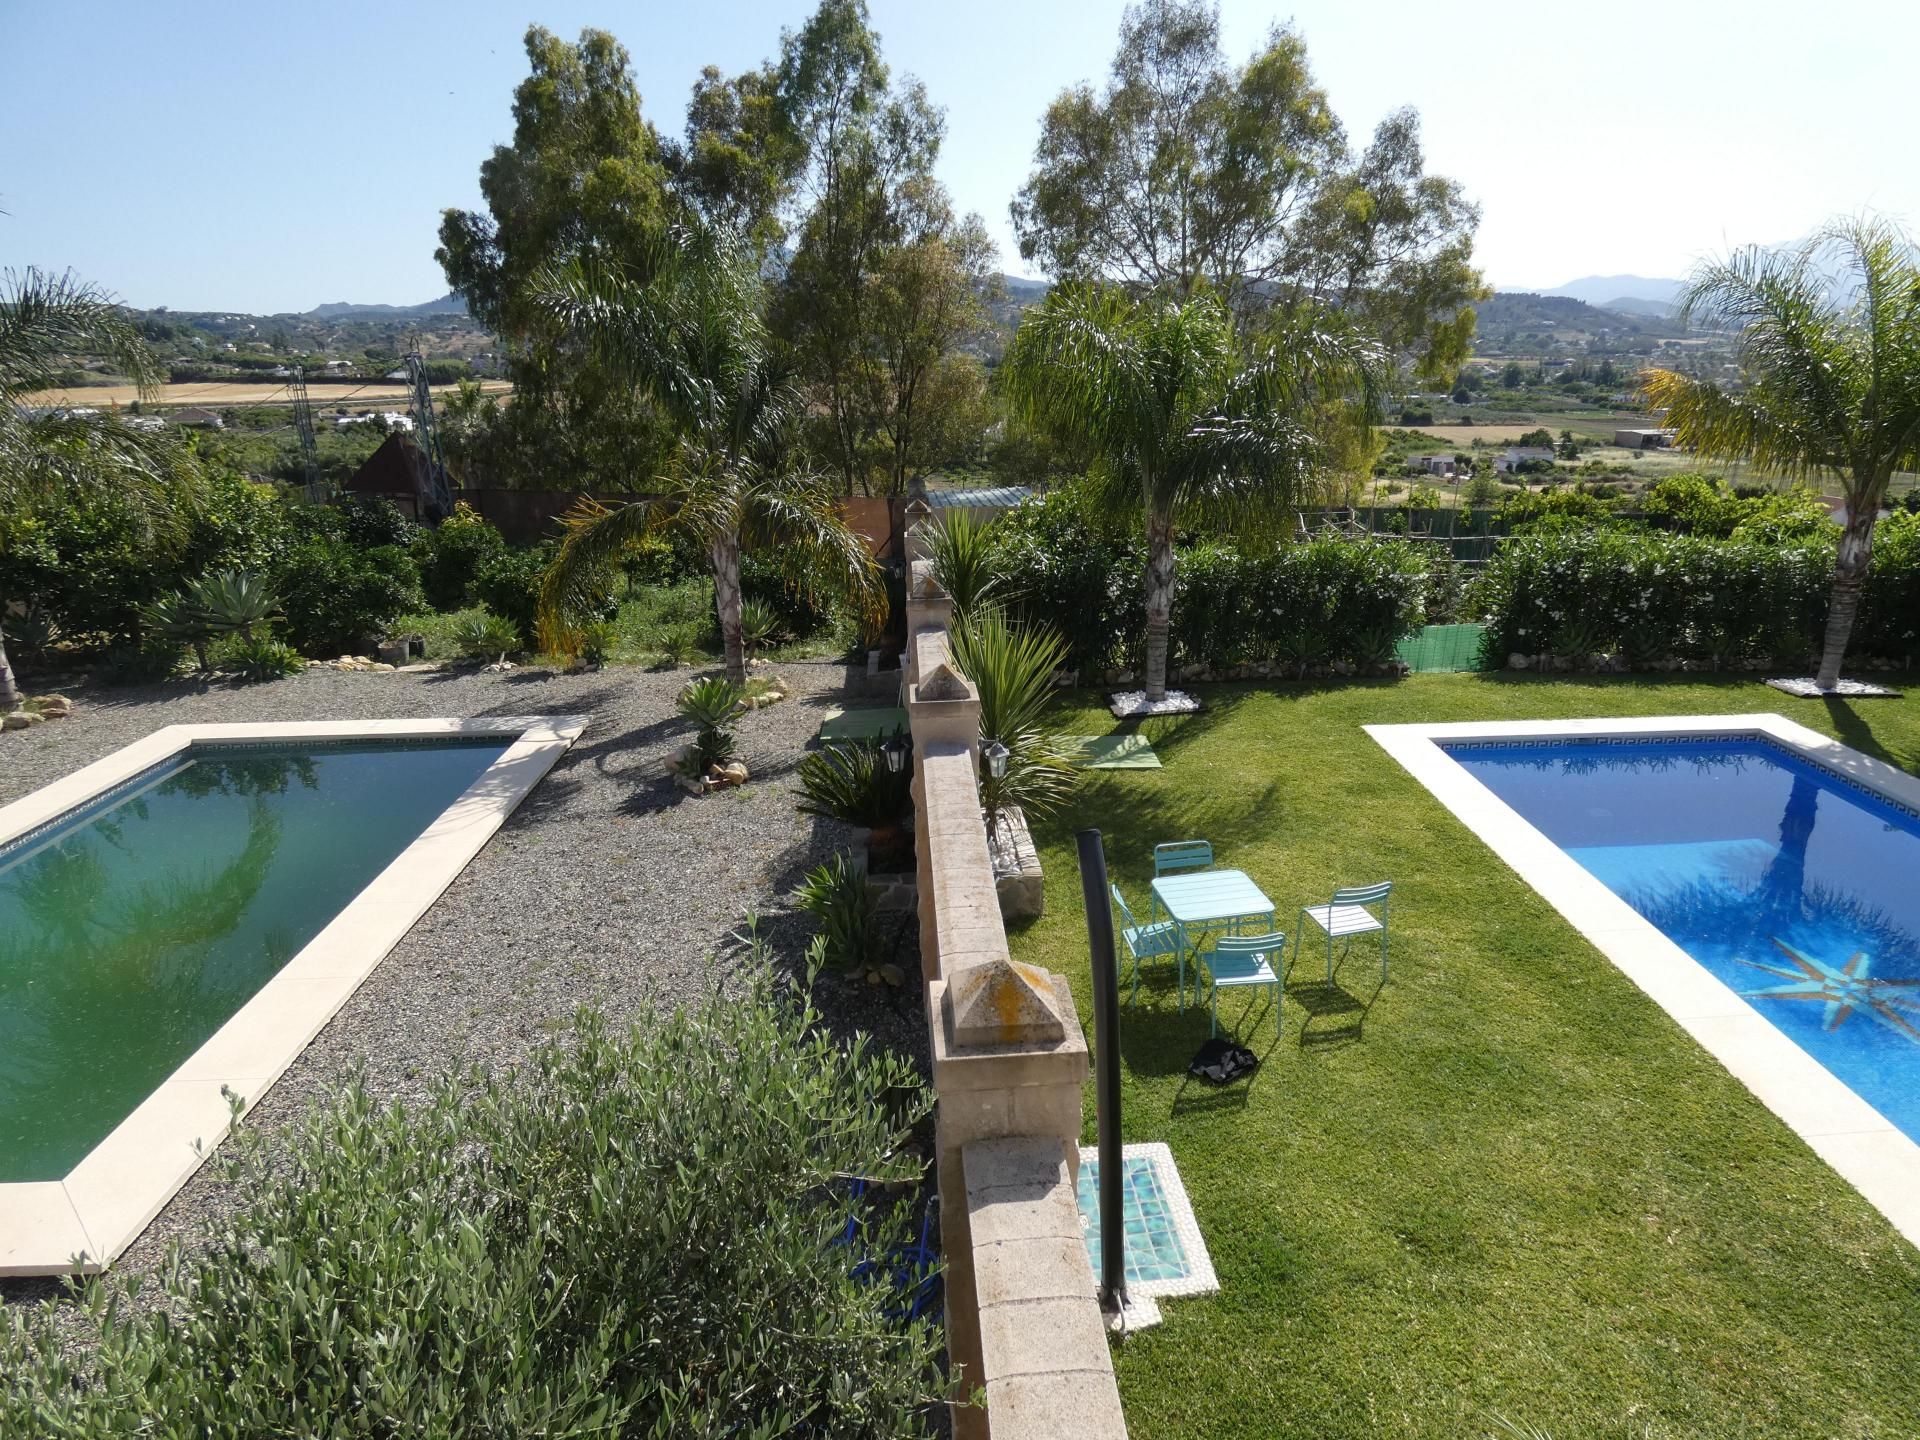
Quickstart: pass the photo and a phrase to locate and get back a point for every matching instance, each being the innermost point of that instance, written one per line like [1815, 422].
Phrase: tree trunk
[10, 696]
[1159, 600]
[1849, 576]
[726, 600]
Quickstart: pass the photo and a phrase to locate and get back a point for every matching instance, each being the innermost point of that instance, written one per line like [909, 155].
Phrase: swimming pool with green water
[133, 928]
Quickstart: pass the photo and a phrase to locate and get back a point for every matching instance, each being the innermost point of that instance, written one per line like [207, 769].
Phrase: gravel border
[609, 885]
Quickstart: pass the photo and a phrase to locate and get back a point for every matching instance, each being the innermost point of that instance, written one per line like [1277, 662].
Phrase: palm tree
[49, 457]
[1832, 385]
[1177, 418]
[685, 325]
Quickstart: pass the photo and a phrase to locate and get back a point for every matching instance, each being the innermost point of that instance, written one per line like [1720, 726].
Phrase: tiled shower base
[1165, 1252]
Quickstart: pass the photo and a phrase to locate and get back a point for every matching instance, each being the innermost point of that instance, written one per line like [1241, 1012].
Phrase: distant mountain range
[448, 304]
[1623, 292]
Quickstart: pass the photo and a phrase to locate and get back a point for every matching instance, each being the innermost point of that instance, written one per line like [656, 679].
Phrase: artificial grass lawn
[1506, 1191]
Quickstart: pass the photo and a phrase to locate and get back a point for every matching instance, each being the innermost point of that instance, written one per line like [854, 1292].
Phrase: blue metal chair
[1145, 942]
[1237, 960]
[1346, 916]
[1182, 855]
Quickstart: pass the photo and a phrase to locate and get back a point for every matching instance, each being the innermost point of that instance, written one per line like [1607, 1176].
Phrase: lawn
[1504, 1195]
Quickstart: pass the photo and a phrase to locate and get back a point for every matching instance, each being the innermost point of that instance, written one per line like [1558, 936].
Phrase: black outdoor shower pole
[1106, 1066]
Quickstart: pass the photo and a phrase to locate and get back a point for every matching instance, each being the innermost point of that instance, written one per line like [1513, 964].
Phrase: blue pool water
[1798, 890]
[134, 927]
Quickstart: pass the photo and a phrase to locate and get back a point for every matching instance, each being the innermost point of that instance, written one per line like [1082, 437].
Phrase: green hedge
[1320, 603]
[1650, 596]
[1298, 605]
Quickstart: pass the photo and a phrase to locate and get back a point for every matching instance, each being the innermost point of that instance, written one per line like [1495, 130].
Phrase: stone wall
[1009, 1069]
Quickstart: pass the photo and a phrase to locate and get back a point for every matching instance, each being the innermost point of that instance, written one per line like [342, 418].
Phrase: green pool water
[134, 927]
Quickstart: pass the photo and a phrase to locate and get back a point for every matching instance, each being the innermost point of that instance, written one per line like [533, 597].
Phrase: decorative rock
[734, 772]
[21, 720]
[680, 762]
[1517, 661]
[50, 707]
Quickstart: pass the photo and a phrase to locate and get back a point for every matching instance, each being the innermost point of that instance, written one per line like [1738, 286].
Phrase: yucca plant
[850, 782]
[848, 938]
[712, 704]
[962, 550]
[1012, 667]
[759, 625]
[232, 602]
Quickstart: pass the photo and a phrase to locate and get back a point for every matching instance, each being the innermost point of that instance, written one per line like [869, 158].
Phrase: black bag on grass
[1221, 1062]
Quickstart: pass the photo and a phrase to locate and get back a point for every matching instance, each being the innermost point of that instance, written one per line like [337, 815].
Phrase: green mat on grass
[1114, 752]
[862, 724]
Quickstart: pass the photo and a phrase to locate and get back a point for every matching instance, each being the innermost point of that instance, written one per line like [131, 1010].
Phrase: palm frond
[46, 317]
[796, 517]
[597, 537]
[44, 456]
[1718, 425]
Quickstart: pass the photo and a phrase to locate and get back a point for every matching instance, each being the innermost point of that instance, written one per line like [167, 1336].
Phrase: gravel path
[608, 886]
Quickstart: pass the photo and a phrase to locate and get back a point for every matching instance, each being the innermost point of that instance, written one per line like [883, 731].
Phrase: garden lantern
[894, 752]
[996, 755]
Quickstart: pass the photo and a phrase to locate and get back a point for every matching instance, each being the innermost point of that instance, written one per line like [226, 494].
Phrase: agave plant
[178, 621]
[963, 558]
[232, 602]
[759, 625]
[712, 704]
[482, 634]
[1013, 667]
[850, 782]
[264, 659]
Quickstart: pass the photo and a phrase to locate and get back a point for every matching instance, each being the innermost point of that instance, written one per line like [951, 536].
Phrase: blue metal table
[1203, 901]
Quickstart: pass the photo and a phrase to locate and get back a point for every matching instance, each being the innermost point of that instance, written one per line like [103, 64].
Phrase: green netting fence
[1440, 648]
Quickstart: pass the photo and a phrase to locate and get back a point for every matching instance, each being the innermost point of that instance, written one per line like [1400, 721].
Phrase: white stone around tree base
[1809, 689]
[1130, 703]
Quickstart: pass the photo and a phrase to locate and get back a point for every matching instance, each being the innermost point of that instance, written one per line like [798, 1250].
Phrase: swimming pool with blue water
[1795, 887]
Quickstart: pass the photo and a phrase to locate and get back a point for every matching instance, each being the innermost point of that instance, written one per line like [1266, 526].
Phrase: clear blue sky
[270, 157]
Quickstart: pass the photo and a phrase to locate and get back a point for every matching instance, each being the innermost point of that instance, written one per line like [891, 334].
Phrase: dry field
[217, 394]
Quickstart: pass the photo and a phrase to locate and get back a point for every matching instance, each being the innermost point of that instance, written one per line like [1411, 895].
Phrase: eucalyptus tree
[1181, 417]
[1188, 171]
[1830, 381]
[54, 456]
[684, 327]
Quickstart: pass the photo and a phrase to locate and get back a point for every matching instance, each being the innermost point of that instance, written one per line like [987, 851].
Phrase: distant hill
[1608, 289]
[448, 304]
[1525, 323]
[1634, 305]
